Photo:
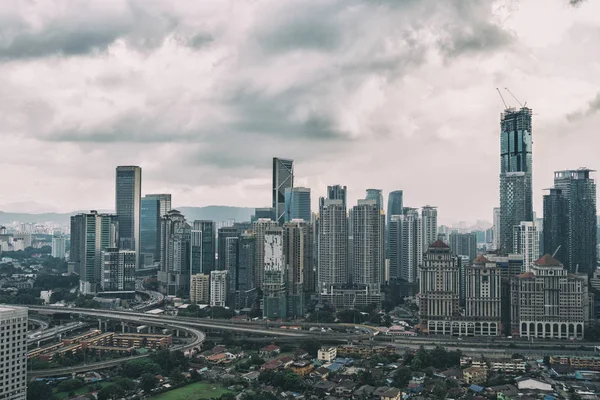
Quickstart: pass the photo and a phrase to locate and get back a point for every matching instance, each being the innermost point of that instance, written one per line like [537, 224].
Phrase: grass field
[80, 391]
[195, 391]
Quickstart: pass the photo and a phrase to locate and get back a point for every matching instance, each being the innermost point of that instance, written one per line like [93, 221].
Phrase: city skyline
[331, 113]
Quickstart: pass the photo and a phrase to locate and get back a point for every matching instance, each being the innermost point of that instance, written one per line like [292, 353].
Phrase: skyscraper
[164, 200]
[174, 274]
[260, 229]
[218, 288]
[150, 227]
[297, 251]
[527, 242]
[375, 194]
[118, 269]
[59, 246]
[368, 232]
[128, 206]
[297, 204]
[395, 204]
[91, 234]
[222, 235]
[578, 192]
[203, 247]
[464, 244]
[200, 289]
[273, 285]
[410, 242]
[337, 192]
[283, 178]
[515, 173]
[245, 260]
[496, 228]
[333, 245]
[13, 363]
[430, 228]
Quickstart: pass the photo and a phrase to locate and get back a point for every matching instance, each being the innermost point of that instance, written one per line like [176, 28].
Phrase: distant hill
[213, 213]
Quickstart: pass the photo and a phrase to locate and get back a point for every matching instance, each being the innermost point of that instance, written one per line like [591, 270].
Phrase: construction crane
[502, 98]
[515, 97]
[556, 251]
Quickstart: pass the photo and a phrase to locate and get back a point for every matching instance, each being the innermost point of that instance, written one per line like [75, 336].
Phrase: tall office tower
[556, 224]
[283, 178]
[231, 266]
[430, 228]
[395, 243]
[150, 227]
[297, 252]
[578, 190]
[549, 302]
[527, 242]
[411, 243]
[263, 213]
[483, 298]
[333, 245]
[218, 288]
[376, 195]
[439, 290]
[297, 204]
[118, 269]
[128, 206]
[175, 245]
[274, 296]
[202, 247]
[260, 228]
[164, 201]
[59, 246]
[245, 261]
[463, 263]
[395, 206]
[337, 192]
[91, 234]
[496, 228]
[222, 235]
[539, 225]
[13, 363]
[464, 244]
[515, 174]
[368, 232]
[200, 289]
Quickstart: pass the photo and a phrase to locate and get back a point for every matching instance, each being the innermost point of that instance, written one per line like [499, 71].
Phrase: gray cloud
[576, 2]
[478, 38]
[592, 108]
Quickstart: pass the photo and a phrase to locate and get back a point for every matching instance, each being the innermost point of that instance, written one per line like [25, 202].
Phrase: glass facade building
[150, 227]
[297, 204]
[283, 178]
[128, 207]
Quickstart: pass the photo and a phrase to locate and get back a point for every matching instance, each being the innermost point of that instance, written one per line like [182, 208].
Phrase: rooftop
[548, 261]
[480, 259]
[438, 244]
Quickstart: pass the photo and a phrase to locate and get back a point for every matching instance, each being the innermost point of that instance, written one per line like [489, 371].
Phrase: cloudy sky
[390, 94]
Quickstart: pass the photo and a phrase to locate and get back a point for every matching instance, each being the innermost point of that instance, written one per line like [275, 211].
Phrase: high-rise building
[376, 195]
[91, 234]
[527, 242]
[164, 202]
[549, 302]
[406, 245]
[273, 285]
[516, 203]
[13, 363]
[263, 213]
[496, 228]
[483, 298]
[283, 178]
[222, 235]
[245, 261]
[298, 256]
[175, 245]
[128, 206]
[202, 247]
[150, 227]
[570, 220]
[231, 265]
[439, 290]
[464, 244]
[200, 289]
[332, 240]
[430, 227]
[395, 204]
[337, 192]
[297, 204]
[368, 232]
[260, 228]
[118, 269]
[218, 288]
[59, 246]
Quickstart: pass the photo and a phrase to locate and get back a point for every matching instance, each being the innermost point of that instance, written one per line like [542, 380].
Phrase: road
[42, 335]
[199, 337]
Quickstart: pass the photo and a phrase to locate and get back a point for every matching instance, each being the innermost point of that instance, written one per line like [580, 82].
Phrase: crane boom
[514, 97]
[556, 251]
[502, 98]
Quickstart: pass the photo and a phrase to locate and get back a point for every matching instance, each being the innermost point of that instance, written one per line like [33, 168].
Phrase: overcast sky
[390, 94]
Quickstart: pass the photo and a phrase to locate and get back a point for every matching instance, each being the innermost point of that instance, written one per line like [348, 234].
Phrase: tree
[148, 382]
[111, 392]
[70, 385]
[439, 390]
[38, 390]
[135, 368]
[176, 376]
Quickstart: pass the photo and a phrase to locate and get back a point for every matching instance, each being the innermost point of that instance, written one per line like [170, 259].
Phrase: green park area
[198, 390]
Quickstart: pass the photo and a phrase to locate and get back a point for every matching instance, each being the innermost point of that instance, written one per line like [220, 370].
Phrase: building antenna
[515, 97]
[502, 98]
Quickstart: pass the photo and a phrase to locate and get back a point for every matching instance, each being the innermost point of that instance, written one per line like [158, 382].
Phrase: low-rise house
[533, 384]
[251, 376]
[270, 350]
[327, 354]
[474, 375]
[302, 368]
[216, 358]
[391, 394]
[345, 388]
[325, 387]
[364, 392]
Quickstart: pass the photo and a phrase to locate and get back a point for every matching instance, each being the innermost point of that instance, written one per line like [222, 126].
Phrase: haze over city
[392, 95]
